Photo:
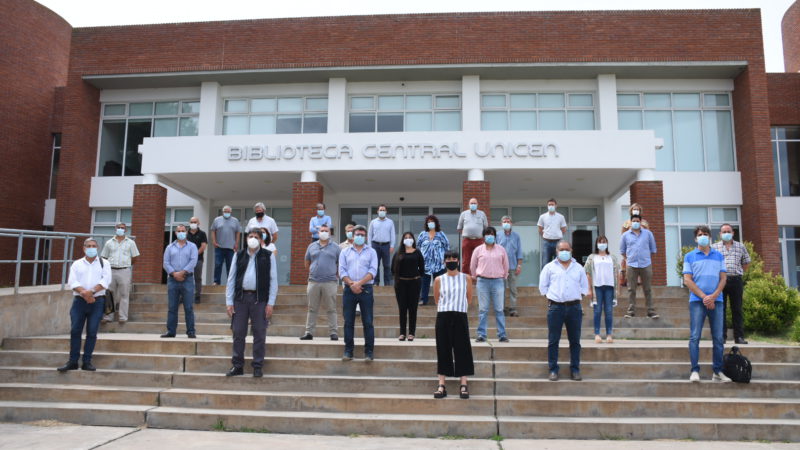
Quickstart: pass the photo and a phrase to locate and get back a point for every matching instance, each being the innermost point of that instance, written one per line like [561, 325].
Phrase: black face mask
[451, 265]
[259, 214]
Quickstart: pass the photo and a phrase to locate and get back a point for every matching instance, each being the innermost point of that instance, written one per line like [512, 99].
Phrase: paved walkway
[52, 435]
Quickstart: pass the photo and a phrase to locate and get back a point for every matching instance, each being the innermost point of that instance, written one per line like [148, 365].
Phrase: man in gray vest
[249, 296]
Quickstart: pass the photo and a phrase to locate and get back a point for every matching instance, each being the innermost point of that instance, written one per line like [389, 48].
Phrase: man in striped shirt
[737, 260]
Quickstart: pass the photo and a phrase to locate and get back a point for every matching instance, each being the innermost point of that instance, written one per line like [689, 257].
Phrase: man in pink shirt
[490, 265]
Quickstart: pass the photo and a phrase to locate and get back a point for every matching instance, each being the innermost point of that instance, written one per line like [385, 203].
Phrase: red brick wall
[790, 26]
[650, 194]
[149, 209]
[305, 196]
[33, 61]
[784, 98]
[480, 190]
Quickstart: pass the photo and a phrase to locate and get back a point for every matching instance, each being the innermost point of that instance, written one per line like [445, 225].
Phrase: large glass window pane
[670, 214]
[525, 214]
[580, 100]
[447, 121]
[317, 104]
[189, 107]
[290, 104]
[689, 141]
[362, 103]
[630, 120]
[686, 100]
[105, 216]
[141, 109]
[419, 121]
[661, 124]
[235, 106]
[112, 144]
[288, 124]
[166, 127]
[790, 133]
[448, 101]
[580, 120]
[497, 214]
[694, 215]
[388, 122]
[551, 120]
[523, 101]
[551, 100]
[584, 214]
[125, 215]
[724, 215]
[389, 103]
[523, 120]
[315, 123]
[493, 101]
[790, 170]
[114, 110]
[657, 100]
[718, 137]
[188, 126]
[183, 215]
[418, 102]
[137, 131]
[628, 100]
[716, 100]
[494, 120]
[262, 124]
[262, 105]
[362, 123]
[168, 108]
[235, 125]
[777, 167]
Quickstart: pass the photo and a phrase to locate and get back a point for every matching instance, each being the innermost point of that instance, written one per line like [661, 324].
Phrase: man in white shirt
[121, 252]
[261, 220]
[552, 227]
[89, 278]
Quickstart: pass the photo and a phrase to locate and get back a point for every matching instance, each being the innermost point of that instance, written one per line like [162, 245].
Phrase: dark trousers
[732, 295]
[221, 255]
[84, 314]
[407, 293]
[425, 289]
[180, 292]
[249, 310]
[558, 315]
[198, 279]
[349, 302]
[453, 350]
[548, 250]
[385, 260]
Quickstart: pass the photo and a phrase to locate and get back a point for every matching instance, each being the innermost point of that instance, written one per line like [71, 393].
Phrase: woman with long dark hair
[408, 266]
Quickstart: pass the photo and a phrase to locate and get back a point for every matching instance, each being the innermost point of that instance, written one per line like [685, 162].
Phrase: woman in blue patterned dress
[432, 242]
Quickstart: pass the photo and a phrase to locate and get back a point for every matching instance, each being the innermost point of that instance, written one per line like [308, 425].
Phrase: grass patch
[353, 435]
[497, 438]
[220, 426]
[610, 437]
[784, 338]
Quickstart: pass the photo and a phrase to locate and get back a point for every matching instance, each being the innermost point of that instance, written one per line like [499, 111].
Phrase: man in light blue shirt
[563, 281]
[381, 237]
[510, 241]
[358, 266]
[704, 273]
[180, 257]
[636, 247]
[319, 220]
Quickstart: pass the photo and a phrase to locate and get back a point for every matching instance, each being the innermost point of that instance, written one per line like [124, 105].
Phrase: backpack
[736, 366]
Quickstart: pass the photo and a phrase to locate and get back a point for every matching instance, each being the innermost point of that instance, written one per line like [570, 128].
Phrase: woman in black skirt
[408, 267]
[452, 293]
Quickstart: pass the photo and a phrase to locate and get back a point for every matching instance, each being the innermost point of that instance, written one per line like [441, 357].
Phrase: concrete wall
[35, 314]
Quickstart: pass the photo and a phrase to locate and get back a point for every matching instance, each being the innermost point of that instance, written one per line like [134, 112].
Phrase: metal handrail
[47, 237]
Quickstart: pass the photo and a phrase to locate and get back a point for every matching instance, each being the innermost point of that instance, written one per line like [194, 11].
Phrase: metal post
[36, 264]
[19, 264]
[64, 263]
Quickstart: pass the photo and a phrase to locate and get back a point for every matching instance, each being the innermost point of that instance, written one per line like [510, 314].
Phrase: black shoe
[441, 392]
[504, 339]
[653, 315]
[191, 335]
[70, 365]
[234, 371]
[740, 340]
[88, 366]
[513, 313]
[553, 376]
[348, 356]
[306, 337]
[630, 315]
[576, 376]
[257, 372]
[369, 357]
[334, 337]
[197, 301]
[480, 339]
[167, 335]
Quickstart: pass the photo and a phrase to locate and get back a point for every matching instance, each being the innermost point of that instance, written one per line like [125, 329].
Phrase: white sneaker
[694, 377]
[721, 377]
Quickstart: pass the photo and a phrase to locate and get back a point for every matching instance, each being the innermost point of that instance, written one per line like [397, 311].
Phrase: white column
[150, 178]
[646, 175]
[210, 121]
[308, 176]
[607, 102]
[471, 102]
[337, 105]
[475, 175]
[612, 223]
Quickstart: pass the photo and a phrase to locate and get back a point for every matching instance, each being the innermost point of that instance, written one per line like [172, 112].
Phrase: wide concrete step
[115, 415]
[104, 360]
[75, 393]
[48, 375]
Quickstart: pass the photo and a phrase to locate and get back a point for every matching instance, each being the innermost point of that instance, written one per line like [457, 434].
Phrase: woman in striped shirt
[452, 293]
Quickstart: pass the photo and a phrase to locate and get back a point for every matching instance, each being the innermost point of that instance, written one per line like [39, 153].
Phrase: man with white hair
[225, 233]
[262, 220]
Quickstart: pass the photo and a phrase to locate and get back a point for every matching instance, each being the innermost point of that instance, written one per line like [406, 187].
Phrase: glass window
[551, 120]
[630, 120]
[657, 101]
[419, 121]
[447, 121]
[390, 122]
[105, 216]
[418, 102]
[125, 216]
[551, 100]
[260, 105]
[494, 101]
[537, 111]
[183, 215]
[695, 215]
[114, 110]
[235, 106]
[786, 157]
[234, 125]
[359, 103]
[112, 147]
[315, 123]
[494, 120]
[138, 129]
[448, 101]
[580, 120]
[259, 124]
[264, 120]
[718, 140]
[390, 103]
[288, 124]
[661, 124]
[166, 108]
[670, 214]
[628, 100]
[686, 100]
[362, 123]
[387, 113]
[523, 101]
[584, 214]
[290, 104]
[523, 120]
[190, 107]
[497, 214]
[165, 127]
[525, 214]
[688, 141]
[188, 126]
[724, 215]
[317, 104]
[716, 100]
[580, 100]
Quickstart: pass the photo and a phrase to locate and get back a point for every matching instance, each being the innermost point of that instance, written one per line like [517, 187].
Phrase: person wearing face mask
[348, 236]
[704, 274]
[381, 237]
[637, 247]
[266, 242]
[452, 293]
[433, 244]
[490, 266]
[197, 237]
[552, 227]
[602, 270]
[408, 266]
[225, 233]
[737, 260]
[319, 220]
[510, 241]
[471, 224]
[121, 253]
[89, 277]
[634, 210]
[249, 298]
[358, 266]
[262, 220]
[322, 257]
[180, 259]
[563, 281]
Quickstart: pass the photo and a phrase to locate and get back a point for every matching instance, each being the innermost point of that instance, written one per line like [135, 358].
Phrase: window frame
[375, 111]
[775, 142]
[302, 113]
[537, 109]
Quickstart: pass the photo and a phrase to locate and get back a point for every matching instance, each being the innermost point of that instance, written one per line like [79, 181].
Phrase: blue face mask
[727, 236]
[381, 214]
[636, 225]
[489, 239]
[473, 206]
[181, 235]
[120, 231]
[506, 226]
[349, 235]
[226, 215]
[91, 252]
[320, 212]
[360, 239]
[551, 208]
[264, 237]
[564, 255]
[431, 225]
[703, 241]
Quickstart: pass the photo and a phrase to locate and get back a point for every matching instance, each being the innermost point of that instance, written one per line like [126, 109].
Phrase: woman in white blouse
[602, 270]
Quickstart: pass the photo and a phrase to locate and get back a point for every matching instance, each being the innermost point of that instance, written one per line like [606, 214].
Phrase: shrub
[769, 305]
[795, 336]
[681, 255]
[756, 268]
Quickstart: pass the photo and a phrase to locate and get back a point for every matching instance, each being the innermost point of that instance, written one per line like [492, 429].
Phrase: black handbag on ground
[109, 307]
[736, 366]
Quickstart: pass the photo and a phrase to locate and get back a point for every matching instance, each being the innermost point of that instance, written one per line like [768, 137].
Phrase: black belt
[734, 276]
[119, 268]
[487, 278]
[551, 240]
[569, 303]
[380, 243]
[249, 292]
[408, 279]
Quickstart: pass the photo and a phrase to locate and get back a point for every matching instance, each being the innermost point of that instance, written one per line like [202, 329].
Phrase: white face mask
[635, 212]
[193, 226]
[408, 242]
[252, 243]
[324, 235]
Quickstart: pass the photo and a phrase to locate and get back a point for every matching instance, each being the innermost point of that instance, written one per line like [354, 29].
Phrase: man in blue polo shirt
[704, 274]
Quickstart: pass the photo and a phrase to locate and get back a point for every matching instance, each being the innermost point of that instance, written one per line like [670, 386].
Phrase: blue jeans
[697, 315]
[180, 292]
[604, 295]
[349, 302]
[426, 285]
[558, 315]
[491, 292]
[221, 255]
[81, 314]
[548, 251]
[384, 259]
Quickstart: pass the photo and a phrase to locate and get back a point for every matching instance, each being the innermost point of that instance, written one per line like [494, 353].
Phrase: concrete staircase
[635, 388]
